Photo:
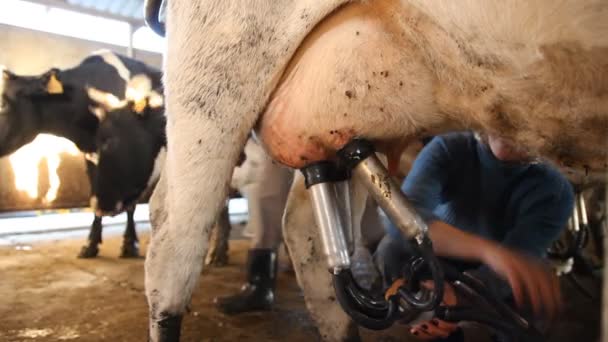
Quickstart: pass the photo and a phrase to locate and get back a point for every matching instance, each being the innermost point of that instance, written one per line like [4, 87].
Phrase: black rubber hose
[152, 16]
[498, 305]
[436, 270]
[455, 314]
[370, 318]
[373, 307]
[574, 247]
[518, 323]
[582, 237]
[577, 284]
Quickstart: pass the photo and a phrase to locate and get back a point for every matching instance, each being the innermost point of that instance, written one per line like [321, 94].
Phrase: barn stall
[45, 218]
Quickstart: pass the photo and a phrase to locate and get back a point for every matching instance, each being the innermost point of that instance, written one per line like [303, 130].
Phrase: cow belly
[355, 75]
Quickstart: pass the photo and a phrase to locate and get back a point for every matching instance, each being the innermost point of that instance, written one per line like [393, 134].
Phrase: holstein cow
[131, 147]
[130, 142]
[309, 76]
[57, 103]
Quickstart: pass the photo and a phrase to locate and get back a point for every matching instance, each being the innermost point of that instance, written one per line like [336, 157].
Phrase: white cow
[314, 74]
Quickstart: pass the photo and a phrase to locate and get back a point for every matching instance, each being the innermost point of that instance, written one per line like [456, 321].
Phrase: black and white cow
[131, 144]
[131, 152]
[57, 102]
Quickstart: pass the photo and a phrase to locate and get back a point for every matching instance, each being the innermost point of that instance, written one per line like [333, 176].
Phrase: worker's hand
[437, 328]
[433, 329]
[529, 280]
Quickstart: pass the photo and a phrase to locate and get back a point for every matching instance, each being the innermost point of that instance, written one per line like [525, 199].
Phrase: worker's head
[505, 150]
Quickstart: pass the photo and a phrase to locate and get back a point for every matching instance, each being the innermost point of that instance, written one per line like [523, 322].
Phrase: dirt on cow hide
[47, 294]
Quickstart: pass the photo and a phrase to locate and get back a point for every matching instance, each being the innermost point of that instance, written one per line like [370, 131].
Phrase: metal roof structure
[126, 10]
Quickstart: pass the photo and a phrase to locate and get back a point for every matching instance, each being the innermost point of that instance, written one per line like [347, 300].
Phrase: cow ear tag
[53, 86]
[140, 106]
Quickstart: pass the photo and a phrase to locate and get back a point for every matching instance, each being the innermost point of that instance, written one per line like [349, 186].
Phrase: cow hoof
[88, 252]
[167, 329]
[129, 250]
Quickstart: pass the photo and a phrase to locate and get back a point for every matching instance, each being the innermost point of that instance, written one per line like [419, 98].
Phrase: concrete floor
[47, 294]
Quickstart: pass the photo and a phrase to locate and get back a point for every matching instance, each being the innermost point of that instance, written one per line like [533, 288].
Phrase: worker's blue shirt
[457, 179]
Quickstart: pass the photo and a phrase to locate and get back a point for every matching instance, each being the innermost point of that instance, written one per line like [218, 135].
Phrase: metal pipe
[583, 209]
[329, 221]
[65, 5]
[130, 53]
[575, 220]
[388, 195]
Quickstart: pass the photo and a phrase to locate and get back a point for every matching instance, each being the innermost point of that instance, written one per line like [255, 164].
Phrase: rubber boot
[258, 293]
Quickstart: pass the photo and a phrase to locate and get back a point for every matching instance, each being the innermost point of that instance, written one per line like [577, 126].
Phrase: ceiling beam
[64, 5]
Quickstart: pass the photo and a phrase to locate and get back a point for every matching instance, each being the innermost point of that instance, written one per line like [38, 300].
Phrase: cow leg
[167, 328]
[130, 242]
[197, 190]
[156, 204]
[217, 255]
[302, 239]
[91, 249]
[203, 149]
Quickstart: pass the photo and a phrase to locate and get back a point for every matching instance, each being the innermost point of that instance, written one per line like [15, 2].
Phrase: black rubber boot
[258, 293]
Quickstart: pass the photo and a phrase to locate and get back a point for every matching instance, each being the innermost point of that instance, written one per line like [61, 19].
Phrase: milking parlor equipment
[328, 184]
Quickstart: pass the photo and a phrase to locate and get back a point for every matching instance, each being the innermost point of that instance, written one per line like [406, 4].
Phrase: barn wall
[31, 52]
[25, 51]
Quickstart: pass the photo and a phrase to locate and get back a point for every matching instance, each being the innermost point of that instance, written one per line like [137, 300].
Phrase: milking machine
[569, 250]
[327, 183]
[578, 232]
